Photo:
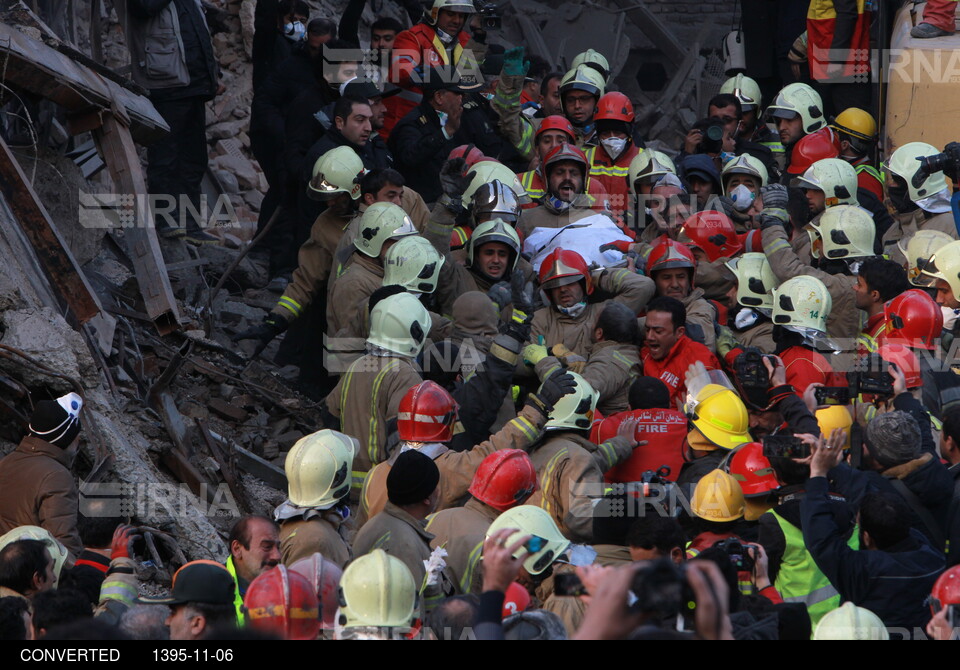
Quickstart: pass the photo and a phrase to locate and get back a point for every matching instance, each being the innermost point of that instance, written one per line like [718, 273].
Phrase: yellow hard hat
[720, 416]
[831, 418]
[857, 123]
[718, 497]
[318, 468]
[377, 591]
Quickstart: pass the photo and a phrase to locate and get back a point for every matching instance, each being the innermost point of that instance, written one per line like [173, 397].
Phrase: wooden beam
[59, 265]
[250, 463]
[32, 66]
[140, 241]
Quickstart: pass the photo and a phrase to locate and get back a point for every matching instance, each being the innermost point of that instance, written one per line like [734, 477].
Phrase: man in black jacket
[179, 89]
[950, 448]
[894, 570]
[422, 140]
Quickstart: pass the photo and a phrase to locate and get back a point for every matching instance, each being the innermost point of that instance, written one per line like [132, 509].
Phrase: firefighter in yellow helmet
[717, 506]
[858, 139]
[378, 599]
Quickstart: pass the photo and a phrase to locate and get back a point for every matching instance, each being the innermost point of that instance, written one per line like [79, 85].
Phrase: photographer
[777, 409]
[713, 137]
[921, 198]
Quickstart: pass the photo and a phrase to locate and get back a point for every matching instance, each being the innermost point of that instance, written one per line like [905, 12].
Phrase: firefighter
[924, 206]
[505, 479]
[283, 603]
[858, 139]
[752, 324]
[844, 322]
[610, 158]
[742, 178]
[569, 318]
[439, 39]
[797, 111]
[570, 467]
[378, 599]
[752, 127]
[381, 225]
[367, 397]
[801, 307]
[426, 422]
[311, 518]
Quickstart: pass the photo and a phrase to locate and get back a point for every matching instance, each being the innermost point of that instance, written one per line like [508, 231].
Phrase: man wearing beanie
[36, 485]
[413, 488]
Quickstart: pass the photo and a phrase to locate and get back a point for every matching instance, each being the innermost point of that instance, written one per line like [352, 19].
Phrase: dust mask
[742, 198]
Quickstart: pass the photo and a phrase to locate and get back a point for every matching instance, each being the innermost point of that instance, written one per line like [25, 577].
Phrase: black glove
[454, 180]
[555, 387]
[271, 327]
[775, 202]
[500, 294]
[522, 314]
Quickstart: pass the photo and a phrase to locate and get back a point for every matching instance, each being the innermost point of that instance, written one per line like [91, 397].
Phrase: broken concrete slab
[45, 336]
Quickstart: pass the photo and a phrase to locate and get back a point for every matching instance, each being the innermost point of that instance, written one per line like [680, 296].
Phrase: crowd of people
[572, 386]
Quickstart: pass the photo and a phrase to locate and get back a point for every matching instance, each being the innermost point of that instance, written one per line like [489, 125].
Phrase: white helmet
[755, 281]
[414, 264]
[381, 222]
[399, 323]
[532, 520]
[318, 469]
[58, 552]
[918, 249]
[905, 164]
[799, 100]
[462, 6]
[802, 304]
[337, 171]
[835, 177]
[849, 622]
[650, 165]
[844, 232]
[486, 171]
[495, 230]
[744, 164]
[593, 59]
[574, 411]
[377, 591]
[747, 91]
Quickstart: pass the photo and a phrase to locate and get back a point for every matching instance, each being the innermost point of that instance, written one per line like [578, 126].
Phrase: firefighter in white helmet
[922, 201]
[797, 111]
[378, 599]
[311, 519]
[367, 397]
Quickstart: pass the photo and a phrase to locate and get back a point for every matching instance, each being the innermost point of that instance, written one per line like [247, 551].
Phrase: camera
[750, 370]
[712, 142]
[947, 162]
[568, 584]
[784, 446]
[661, 588]
[832, 395]
[738, 552]
[872, 377]
[490, 18]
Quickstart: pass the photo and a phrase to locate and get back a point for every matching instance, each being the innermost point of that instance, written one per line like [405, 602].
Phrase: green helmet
[574, 411]
[414, 264]
[399, 324]
[755, 281]
[845, 232]
[835, 177]
[337, 171]
[800, 100]
[495, 230]
[532, 520]
[381, 222]
[746, 90]
[905, 164]
[802, 304]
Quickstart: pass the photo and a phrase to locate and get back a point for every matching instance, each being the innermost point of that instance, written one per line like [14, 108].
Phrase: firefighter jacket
[461, 531]
[610, 370]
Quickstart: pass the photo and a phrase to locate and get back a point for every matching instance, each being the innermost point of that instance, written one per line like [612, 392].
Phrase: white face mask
[742, 198]
[445, 38]
[573, 310]
[614, 146]
[295, 31]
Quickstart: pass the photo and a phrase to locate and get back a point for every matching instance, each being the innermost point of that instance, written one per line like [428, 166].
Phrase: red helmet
[913, 319]
[562, 267]
[427, 414]
[459, 237]
[614, 107]
[325, 577]
[824, 143]
[557, 122]
[946, 591]
[283, 603]
[905, 360]
[667, 253]
[515, 600]
[467, 152]
[504, 479]
[713, 232]
[566, 152]
[751, 468]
